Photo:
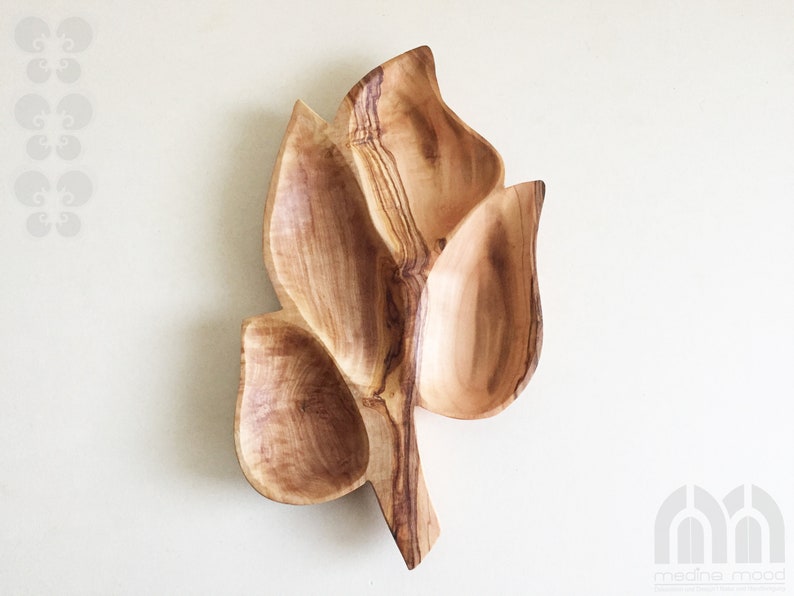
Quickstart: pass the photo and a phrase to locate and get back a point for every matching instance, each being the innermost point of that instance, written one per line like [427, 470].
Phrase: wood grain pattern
[406, 273]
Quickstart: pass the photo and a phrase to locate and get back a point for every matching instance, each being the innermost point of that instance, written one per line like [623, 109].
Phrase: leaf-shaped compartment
[482, 329]
[325, 256]
[422, 168]
[300, 437]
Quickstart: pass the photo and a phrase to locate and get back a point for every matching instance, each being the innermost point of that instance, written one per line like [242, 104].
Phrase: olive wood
[406, 274]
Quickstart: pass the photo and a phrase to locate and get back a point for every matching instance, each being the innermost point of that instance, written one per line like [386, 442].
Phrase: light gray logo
[53, 127]
[54, 118]
[53, 53]
[54, 203]
[693, 527]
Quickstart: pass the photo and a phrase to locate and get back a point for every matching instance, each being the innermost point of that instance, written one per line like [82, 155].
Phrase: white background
[664, 131]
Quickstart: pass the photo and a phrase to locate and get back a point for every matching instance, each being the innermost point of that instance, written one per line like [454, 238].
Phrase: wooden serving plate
[406, 274]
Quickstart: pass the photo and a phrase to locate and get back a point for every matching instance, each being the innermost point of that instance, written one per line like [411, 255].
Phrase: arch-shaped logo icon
[693, 527]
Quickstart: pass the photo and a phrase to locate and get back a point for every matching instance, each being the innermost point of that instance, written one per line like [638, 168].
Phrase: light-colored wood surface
[406, 274]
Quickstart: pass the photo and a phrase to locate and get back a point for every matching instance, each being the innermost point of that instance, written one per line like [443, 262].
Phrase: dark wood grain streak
[384, 179]
[411, 256]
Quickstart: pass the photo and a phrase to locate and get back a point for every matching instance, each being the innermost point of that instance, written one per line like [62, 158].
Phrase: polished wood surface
[406, 274]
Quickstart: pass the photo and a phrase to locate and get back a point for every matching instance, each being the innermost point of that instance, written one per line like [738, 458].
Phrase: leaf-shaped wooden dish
[406, 274]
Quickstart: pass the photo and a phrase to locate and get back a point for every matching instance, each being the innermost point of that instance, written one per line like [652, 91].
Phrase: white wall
[665, 133]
